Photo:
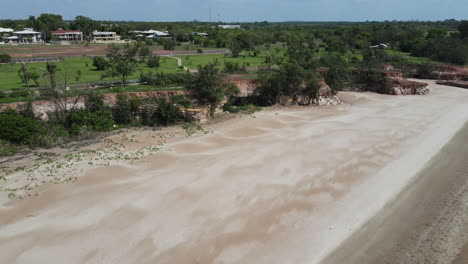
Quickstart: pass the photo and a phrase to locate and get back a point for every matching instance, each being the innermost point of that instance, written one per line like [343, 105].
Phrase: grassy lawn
[193, 61]
[9, 79]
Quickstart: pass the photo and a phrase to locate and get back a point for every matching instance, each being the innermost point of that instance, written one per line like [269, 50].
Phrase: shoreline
[426, 222]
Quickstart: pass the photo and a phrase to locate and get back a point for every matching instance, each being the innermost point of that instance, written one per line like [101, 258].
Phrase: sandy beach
[285, 185]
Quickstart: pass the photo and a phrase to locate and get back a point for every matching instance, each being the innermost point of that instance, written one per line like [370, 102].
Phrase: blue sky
[241, 10]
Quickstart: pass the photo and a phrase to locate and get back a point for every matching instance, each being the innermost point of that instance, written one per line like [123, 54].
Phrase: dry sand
[288, 186]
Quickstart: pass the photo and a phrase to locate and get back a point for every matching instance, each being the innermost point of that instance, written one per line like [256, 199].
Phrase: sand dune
[288, 185]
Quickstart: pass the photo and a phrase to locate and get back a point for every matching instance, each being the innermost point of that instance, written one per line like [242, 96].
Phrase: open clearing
[286, 185]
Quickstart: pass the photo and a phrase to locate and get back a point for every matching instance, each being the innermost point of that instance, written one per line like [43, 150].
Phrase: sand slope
[287, 186]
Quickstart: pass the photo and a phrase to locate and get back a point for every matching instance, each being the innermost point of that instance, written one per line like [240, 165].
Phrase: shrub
[100, 63]
[100, 120]
[166, 113]
[163, 79]
[200, 51]
[94, 101]
[18, 129]
[233, 67]
[154, 62]
[122, 110]
[5, 58]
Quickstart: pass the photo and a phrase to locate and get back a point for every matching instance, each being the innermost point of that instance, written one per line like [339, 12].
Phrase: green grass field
[9, 79]
[193, 61]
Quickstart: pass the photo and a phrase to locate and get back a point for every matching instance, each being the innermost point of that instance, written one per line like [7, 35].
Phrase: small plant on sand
[194, 128]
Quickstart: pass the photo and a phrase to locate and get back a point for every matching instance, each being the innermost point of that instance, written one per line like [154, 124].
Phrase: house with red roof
[67, 36]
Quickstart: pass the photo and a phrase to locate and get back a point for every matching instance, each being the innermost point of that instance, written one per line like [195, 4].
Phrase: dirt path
[285, 185]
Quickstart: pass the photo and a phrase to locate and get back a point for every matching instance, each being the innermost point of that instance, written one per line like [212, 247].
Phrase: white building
[26, 36]
[5, 30]
[67, 36]
[229, 26]
[200, 34]
[105, 37]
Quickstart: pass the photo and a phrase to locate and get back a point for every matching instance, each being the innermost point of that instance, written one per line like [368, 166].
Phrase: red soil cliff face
[397, 85]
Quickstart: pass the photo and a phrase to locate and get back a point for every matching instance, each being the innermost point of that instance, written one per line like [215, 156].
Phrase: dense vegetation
[287, 60]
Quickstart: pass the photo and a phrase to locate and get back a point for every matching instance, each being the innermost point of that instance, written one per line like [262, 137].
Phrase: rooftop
[65, 31]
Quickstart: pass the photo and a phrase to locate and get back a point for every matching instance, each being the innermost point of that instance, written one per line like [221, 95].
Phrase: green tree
[85, 25]
[463, 28]
[94, 101]
[337, 73]
[18, 129]
[122, 62]
[49, 23]
[100, 63]
[122, 110]
[166, 113]
[5, 58]
[154, 61]
[209, 87]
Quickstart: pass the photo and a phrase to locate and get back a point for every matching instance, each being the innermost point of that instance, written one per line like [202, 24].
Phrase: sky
[240, 10]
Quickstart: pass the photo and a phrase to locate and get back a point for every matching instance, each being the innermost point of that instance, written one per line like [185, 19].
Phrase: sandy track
[287, 186]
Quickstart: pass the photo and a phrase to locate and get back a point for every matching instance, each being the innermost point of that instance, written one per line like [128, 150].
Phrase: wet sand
[286, 186]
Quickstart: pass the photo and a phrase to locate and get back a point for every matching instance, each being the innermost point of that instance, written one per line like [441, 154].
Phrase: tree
[209, 87]
[100, 63]
[154, 61]
[122, 62]
[337, 73]
[49, 23]
[166, 113]
[169, 44]
[86, 25]
[64, 103]
[27, 76]
[463, 28]
[5, 58]
[94, 101]
[18, 129]
[122, 110]
[144, 52]
[311, 89]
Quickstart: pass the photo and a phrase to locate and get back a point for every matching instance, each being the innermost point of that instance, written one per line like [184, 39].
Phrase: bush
[233, 67]
[153, 62]
[100, 120]
[17, 129]
[94, 101]
[7, 149]
[164, 79]
[5, 58]
[166, 113]
[100, 63]
[169, 44]
[200, 51]
[122, 111]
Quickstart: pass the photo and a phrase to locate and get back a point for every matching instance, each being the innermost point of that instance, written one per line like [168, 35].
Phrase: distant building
[153, 34]
[4, 34]
[229, 26]
[5, 30]
[67, 36]
[380, 46]
[26, 36]
[205, 35]
[105, 37]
